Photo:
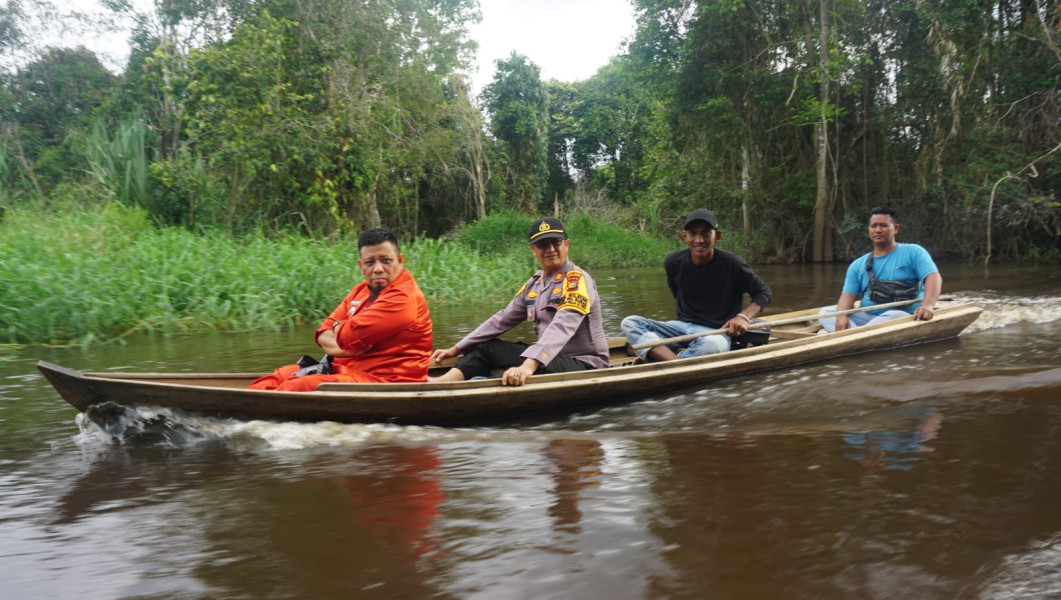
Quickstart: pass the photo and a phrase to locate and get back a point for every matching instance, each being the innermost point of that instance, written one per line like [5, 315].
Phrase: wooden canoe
[225, 395]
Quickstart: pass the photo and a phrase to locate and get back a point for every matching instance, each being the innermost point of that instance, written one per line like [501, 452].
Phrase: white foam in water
[174, 428]
[1000, 311]
[155, 426]
[89, 436]
[1033, 573]
[294, 436]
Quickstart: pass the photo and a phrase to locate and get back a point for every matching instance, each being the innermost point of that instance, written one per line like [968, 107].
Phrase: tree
[822, 244]
[390, 83]
[563, 131]
[52, 99]
[324, 114]
[597, 129]
[518, 105]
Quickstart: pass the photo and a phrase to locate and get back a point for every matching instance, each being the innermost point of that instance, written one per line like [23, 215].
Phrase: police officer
[560, 299]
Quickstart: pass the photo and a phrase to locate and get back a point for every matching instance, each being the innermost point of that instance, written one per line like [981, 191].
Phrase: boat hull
[225, 395]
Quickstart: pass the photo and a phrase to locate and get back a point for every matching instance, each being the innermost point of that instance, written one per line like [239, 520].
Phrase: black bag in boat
[750, 338]
[311, 366]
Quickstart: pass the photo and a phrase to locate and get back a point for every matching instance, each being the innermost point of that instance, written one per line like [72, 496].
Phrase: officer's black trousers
[494, 354]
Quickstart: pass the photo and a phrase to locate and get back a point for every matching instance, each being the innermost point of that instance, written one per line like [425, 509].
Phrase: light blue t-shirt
[909, 263]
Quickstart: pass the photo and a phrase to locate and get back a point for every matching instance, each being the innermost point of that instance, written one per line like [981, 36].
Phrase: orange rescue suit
[392, 331]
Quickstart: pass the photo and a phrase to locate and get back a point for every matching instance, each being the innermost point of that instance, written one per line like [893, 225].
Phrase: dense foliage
[789, 119]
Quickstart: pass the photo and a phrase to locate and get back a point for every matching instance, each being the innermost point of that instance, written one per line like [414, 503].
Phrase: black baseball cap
[547, 228]
[701, 214]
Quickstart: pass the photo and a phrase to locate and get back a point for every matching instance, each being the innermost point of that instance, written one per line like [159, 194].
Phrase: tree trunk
[479, 181]
[745, 186]
[371, 213]
[822, 250]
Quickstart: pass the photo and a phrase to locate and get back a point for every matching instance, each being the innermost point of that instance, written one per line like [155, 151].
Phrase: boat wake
[1002, 310]
[146, 426]
[1030, 573]
[116, 424]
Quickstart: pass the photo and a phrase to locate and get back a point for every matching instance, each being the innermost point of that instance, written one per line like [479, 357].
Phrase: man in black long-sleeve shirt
[709, 286]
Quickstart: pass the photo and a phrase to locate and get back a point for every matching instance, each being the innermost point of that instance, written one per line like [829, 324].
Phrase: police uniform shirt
[565, 309]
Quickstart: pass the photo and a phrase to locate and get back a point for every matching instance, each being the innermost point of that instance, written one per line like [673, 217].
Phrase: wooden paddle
[793, 320]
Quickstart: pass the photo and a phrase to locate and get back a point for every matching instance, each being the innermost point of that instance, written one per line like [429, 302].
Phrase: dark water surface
[931, 472]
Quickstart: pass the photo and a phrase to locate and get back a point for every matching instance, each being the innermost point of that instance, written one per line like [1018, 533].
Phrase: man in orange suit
[381, 332]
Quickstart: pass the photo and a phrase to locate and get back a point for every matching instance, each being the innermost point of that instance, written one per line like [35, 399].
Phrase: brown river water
[929, 472]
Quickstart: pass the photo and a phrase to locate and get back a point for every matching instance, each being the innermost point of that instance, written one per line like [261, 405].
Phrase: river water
[929, 472]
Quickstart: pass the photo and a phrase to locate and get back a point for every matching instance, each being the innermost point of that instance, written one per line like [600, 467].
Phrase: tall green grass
[96, 275]
[85, 275]
[594, 244]
[15, 181]
[449, 272]
[118, 160]
[599, 245]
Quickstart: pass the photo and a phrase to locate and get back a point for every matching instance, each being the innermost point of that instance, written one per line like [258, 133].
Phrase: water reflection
[120, 481]
[555, 518]
[768, 516]
[395, 496]
[895, 449]
[326, 527]
[575, 467]
[1030, 572]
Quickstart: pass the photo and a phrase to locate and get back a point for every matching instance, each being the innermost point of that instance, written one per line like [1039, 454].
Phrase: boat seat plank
[791, 334]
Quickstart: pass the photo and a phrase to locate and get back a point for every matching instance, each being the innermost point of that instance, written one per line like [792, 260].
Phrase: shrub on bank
[594, 244]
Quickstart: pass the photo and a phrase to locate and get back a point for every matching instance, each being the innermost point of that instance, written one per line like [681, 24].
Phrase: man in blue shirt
[891, 272]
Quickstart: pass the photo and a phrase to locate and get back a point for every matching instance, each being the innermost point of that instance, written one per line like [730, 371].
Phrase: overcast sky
[568, 39]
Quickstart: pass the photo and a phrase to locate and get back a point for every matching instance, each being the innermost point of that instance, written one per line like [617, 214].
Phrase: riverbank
[100, 274]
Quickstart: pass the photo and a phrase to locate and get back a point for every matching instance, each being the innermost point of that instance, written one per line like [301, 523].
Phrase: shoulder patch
[576, 294]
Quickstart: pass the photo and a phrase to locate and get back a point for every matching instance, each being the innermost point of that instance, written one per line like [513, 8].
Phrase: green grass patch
[93, 275]
[599, 245]
[86, 275]
[594, 244]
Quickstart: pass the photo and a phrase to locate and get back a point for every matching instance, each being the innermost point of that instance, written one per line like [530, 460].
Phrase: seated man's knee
[646, 338]
[275, 379]
[828, 323]
[712, 344]
[631, 325]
